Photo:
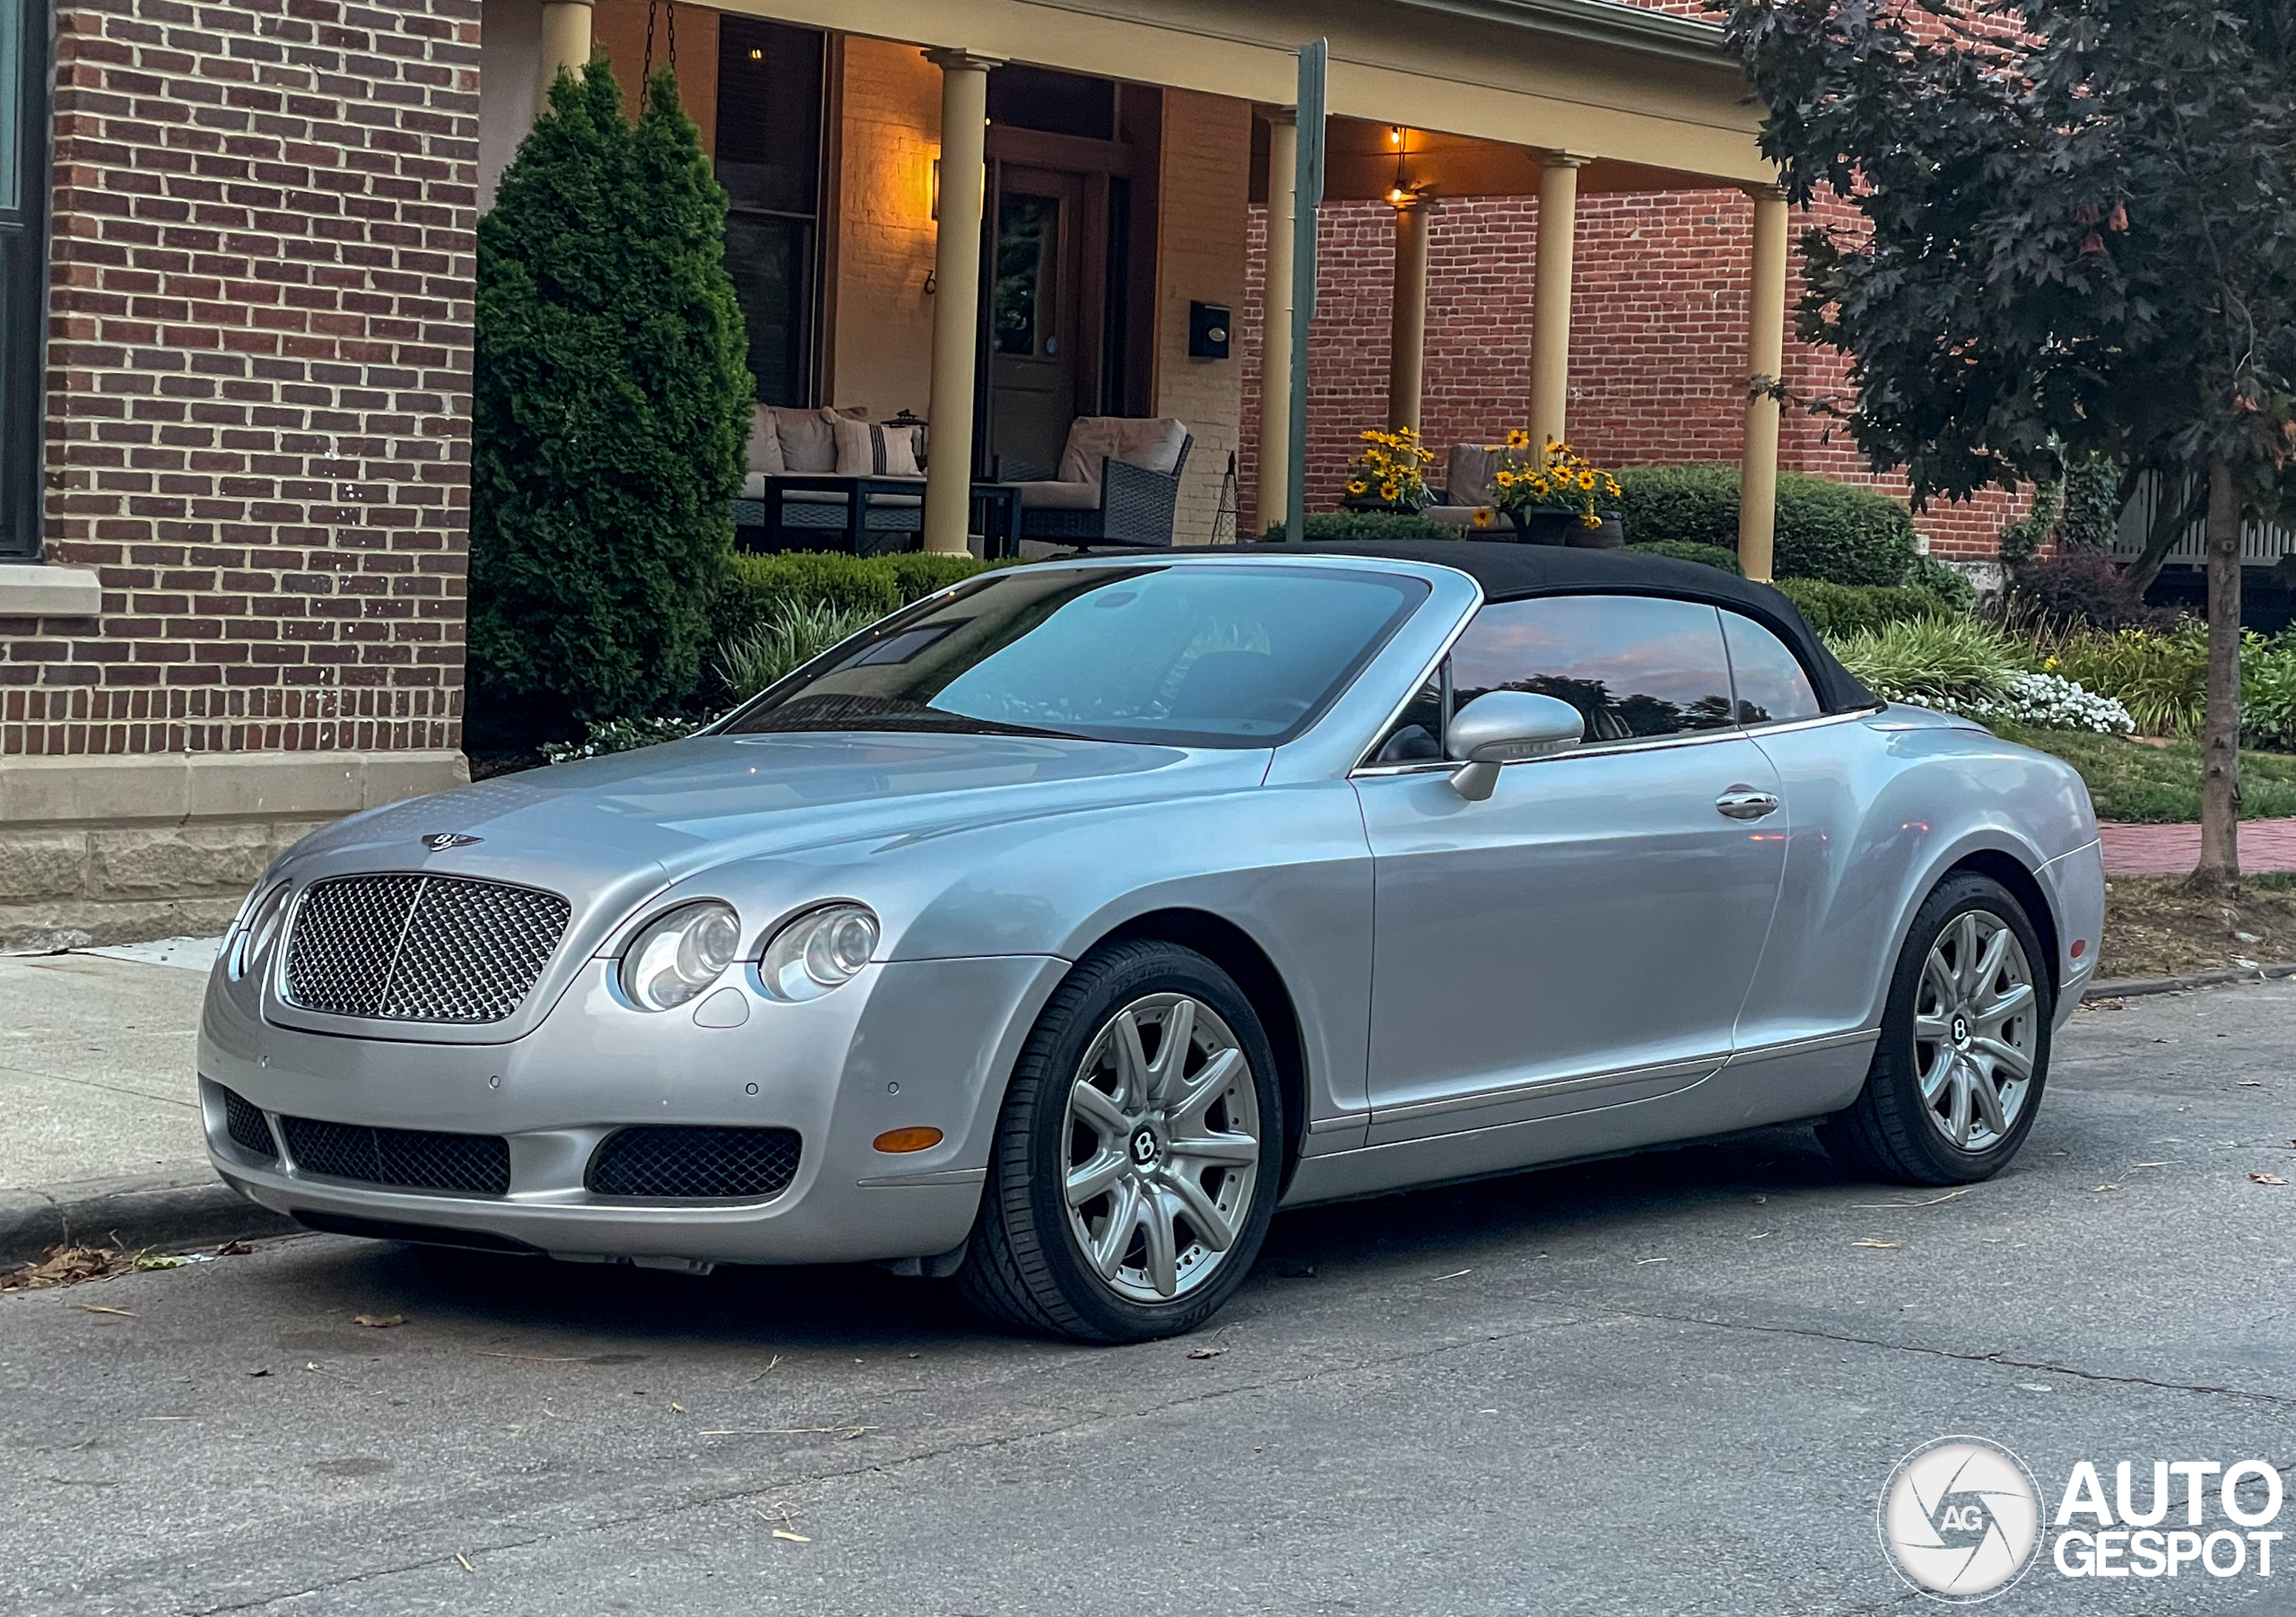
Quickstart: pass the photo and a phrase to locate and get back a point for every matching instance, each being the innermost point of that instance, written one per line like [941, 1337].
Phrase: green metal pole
[1308, 195]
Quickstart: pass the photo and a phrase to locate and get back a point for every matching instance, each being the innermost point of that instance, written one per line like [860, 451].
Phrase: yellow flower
[1518, 439]
[1503, 478]
[1388, 490]
[1480, 517]
[1357, 486]
[1591, 520]
[1587, 482]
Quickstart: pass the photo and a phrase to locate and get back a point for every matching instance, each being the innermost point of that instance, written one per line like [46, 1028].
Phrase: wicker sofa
[1117, 483]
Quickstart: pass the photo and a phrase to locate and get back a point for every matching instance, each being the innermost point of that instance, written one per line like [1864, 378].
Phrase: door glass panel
[1772, 687]
[1633, 665]
[769, 259]
[12, 68]
[1028, 230]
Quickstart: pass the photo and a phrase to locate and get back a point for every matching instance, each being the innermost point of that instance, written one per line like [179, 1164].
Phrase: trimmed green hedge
[1825, 530]
[875, 585]
[1835, 610]
[1705, 555]
[1355, 525]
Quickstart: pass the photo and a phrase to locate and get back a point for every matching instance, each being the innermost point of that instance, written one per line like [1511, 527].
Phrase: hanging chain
[670, 28]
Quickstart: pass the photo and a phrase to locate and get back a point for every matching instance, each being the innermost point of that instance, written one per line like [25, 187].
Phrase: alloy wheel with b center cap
[1975, 1022]
[1163, 1148]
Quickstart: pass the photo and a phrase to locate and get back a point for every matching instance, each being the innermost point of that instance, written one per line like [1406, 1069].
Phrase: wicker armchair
[1118, 483]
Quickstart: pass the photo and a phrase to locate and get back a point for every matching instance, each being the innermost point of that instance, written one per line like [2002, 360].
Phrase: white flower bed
[2049, 701]
[2040, 701]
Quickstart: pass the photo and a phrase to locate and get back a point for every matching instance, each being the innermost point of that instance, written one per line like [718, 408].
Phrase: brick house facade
[1657, 349]
[261, 267]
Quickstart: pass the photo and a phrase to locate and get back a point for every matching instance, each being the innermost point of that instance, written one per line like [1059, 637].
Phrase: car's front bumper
[910, 1044]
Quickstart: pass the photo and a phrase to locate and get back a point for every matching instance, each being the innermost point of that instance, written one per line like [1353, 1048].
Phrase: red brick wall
[259, 371]
[1657, 345]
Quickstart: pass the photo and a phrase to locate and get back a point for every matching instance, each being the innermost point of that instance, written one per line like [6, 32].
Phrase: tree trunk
[2219, 873]
[2173, 516]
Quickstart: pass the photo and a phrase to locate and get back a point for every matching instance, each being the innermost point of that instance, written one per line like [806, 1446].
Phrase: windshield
[1214, 656]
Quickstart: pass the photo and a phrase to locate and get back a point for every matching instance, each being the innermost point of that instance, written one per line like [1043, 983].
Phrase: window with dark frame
[771, 81]
[23, 269]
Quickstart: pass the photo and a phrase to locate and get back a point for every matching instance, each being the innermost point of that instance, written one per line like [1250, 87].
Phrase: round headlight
[681, 954]
[819, 949]
[261, 931]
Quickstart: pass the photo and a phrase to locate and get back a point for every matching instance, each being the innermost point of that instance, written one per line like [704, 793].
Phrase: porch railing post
[1765, 363]
[565, 45]
[956, 306]
[1306, 197]
[1407, 324]
[1272, 500]
[1551, 272]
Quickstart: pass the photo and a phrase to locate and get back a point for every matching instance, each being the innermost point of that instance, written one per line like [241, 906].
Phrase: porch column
[1270, 495]
[1550, 295]
[956, 300]
[565, 43]
[1407, 328]
[1765, 364]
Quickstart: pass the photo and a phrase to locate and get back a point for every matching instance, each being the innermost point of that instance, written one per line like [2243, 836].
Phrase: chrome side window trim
[1440, 664]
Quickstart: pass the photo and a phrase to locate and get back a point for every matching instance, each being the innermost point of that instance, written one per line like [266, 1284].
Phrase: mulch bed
[2154, 929]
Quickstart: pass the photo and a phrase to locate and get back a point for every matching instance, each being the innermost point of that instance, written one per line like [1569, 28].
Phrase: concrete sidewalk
[104, 1140]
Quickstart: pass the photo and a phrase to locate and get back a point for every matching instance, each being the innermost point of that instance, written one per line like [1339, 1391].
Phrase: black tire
[1024, 1266]
[1887, 1131]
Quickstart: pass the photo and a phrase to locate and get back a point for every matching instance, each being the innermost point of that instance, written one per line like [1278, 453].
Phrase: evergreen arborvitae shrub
[1826, 530]
[610, 408]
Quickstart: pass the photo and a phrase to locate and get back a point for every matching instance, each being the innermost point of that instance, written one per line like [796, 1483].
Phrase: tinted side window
[1633, 665]
[1772, 687]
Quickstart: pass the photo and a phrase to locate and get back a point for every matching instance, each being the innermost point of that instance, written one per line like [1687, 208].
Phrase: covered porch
[1002, 217]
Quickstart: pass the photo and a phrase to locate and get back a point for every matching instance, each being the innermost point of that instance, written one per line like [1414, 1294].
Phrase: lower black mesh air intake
[413, 1158]
[243, 1121]
[752, 1162]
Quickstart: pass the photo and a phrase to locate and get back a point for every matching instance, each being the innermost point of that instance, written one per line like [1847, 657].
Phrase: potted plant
[1557, 495]
[1390, 473]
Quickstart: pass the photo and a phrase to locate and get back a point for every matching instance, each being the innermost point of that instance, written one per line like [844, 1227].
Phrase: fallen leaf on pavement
[233, 1249]
[379, 1322]
[1641, 1261]
[2267, 1178]
[1205, 1352]
[794, 1538]
[258, 1372]
[2104, 1188]
[66, 1267]
[465, 1561]
[98, 1307]
[1870, 1241]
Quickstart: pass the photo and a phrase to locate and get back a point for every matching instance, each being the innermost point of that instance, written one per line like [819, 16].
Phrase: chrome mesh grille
[417, 1158]
[243, 1120]
[409, 948]
[670, 1161]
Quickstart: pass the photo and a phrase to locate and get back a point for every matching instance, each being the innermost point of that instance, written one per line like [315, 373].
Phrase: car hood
[579, 828]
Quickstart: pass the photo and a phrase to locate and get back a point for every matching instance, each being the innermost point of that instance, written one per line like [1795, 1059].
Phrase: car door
[1586, 936]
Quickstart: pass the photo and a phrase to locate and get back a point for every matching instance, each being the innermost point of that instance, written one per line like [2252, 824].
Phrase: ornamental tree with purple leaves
[2078, 237]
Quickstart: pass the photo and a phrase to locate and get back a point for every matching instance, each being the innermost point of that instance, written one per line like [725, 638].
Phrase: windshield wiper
[820, 714]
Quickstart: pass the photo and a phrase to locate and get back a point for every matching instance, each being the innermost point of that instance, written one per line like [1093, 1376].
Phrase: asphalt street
[1674, 1383]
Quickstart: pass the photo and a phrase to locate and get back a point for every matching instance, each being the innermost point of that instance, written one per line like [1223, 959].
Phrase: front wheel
[1963, 1057]
[1137, 1156]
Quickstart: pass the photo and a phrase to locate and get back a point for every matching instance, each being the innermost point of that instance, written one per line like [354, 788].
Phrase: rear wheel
[1137, 1157]
[1963, 1057]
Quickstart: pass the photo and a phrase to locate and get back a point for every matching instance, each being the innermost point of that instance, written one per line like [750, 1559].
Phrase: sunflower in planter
[1390, 473]
[1558, 480]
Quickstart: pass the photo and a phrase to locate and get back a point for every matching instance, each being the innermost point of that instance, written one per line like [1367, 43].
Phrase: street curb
[131, 1213]
[2136, 986]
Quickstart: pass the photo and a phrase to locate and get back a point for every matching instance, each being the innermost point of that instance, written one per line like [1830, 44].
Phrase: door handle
[1743, 803]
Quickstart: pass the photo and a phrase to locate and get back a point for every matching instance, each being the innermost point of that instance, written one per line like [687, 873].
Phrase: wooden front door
[1036, 312]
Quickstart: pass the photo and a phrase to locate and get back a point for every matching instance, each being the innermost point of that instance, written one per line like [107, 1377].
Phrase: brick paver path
[2171, 851]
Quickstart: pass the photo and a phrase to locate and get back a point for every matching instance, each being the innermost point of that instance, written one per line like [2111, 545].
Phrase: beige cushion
[1469, 474]
[867, 450]
[808, 440]
[1463, 516]
[1060, 496]
[764, 451]
[1154, 444]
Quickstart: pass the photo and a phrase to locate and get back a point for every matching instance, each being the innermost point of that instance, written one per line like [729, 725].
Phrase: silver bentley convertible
[1054, 931]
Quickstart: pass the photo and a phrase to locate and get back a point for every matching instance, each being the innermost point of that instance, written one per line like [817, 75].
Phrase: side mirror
[1508, 727]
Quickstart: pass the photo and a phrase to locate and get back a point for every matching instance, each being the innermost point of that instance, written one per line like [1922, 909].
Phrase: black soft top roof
[1514, 572]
